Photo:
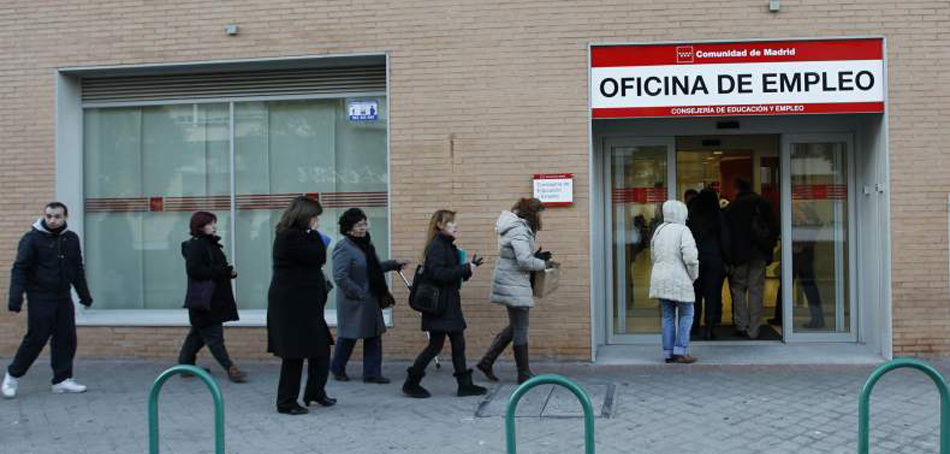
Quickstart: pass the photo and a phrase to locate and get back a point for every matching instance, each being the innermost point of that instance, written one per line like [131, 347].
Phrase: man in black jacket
[47, 266]
[754, 233]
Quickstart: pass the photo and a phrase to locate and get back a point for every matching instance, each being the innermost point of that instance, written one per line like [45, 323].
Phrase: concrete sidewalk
[655, 409]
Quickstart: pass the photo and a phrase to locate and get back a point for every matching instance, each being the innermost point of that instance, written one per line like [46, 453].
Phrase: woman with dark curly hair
[361, 294]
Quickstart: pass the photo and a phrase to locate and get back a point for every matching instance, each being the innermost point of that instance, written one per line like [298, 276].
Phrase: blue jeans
[676, 327]
[372, 356]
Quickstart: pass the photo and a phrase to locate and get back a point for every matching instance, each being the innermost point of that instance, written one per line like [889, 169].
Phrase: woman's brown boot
[236, 375]
[523, 364]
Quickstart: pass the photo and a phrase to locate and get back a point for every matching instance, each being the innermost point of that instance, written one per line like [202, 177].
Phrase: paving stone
[657, 410]
[531, 403]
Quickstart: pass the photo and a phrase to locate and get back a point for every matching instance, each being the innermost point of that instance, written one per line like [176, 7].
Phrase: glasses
[361, 224]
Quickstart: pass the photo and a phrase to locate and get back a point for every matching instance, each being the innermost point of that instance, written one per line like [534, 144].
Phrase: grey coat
[511, 282]
[358, 315]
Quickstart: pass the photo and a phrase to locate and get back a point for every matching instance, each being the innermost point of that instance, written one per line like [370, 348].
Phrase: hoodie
[674, 255]
[46, 267]
[511, 281]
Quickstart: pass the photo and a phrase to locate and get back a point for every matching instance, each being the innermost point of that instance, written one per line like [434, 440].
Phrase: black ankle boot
[466, 387]
[412, 388]
[817, 317]
[521, 359]
[708, 333]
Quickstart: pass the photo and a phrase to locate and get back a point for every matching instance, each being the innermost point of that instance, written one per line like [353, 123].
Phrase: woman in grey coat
[360, 281]
[511, 283]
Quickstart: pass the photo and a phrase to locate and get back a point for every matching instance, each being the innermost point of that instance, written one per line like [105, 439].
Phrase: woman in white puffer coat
[675, 267]
[511, 283]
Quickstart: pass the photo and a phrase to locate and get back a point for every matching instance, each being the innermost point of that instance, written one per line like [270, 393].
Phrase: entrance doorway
[718, 163]
[806, 180]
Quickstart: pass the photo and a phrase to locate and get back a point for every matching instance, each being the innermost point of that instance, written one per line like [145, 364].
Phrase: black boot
[521, 360]
[466, 387]
[708, 333]
[817, 317]
[497, 346]
[412, 388]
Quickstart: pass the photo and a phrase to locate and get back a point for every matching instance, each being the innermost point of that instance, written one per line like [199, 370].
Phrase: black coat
[739, 216]
[205, 260]
[298, 294]
[46, 265]
[442, 269]
[713, 241]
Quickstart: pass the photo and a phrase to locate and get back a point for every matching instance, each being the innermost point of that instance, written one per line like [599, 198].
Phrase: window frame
[70, 111]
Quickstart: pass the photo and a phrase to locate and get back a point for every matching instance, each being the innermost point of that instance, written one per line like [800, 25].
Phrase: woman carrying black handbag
[444, 270]
[209, 300]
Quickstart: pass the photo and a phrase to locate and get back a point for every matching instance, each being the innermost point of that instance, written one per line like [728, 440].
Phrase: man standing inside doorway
[48, 264]
[754, 235]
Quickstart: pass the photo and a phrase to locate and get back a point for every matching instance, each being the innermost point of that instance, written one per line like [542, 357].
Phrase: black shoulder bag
[199, 292]
[424, 297]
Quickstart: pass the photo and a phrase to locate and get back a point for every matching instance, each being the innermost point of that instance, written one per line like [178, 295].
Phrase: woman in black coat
[296, 329]
[443, 268]
[205, 261]
[708, 225]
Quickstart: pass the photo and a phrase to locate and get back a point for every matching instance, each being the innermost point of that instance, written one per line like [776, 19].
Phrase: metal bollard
[215, 394]
[556, 380]
[864, 403]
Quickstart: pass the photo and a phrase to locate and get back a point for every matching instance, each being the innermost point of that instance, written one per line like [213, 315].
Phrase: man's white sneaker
[9, 387]
[68, 386]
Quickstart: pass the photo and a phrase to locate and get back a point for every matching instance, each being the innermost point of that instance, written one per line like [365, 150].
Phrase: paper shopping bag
[545, 282]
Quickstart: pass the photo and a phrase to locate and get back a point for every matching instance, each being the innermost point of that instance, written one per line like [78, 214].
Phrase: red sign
[820, 192]
[156, 204]
[622, 196]
[748, 78]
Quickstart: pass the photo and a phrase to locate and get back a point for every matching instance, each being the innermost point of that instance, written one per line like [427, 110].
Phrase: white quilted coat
[674, 255]
[511, 283]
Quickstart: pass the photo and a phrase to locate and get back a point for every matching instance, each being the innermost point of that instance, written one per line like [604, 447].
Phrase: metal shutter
[286, 82]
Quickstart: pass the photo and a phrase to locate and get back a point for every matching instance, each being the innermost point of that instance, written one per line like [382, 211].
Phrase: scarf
[377, 282]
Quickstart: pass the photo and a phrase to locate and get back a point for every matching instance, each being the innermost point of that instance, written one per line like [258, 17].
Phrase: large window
[147, 169]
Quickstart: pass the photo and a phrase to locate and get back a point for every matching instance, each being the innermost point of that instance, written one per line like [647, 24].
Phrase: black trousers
[212, 336]
[372, 356]
[436, 341]
[53, 321]
[803, 269]
[708, 290]
[288, 388]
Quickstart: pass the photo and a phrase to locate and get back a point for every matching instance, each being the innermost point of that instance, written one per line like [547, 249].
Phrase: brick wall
[482, 95]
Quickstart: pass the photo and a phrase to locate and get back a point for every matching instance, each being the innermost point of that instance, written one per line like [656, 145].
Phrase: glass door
[639, 173]
[717, 163]
[820, 291]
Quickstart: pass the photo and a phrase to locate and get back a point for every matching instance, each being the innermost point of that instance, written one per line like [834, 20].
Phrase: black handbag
[199, 292]
[424, 297]
[386, 300]
[198, 295]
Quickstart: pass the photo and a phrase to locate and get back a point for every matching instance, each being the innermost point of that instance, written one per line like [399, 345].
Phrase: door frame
[628, 142]
[785, 140]
[787, 305]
